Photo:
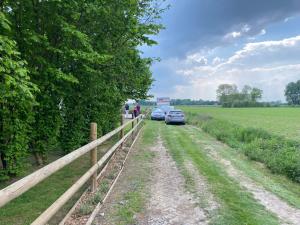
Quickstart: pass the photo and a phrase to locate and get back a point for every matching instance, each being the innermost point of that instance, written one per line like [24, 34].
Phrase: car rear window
[176, 112]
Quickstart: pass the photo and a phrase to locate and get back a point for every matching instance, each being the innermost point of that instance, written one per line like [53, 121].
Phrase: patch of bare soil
[169, 202]
[286, 213]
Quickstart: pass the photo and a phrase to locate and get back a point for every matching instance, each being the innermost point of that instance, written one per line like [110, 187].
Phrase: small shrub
[95, 199]
[104, 186]
[85, 209]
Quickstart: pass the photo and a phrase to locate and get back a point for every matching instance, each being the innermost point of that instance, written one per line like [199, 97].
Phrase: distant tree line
[147, 103]
[228, 95]
[181, 102]
[192, 102]
[64, 64]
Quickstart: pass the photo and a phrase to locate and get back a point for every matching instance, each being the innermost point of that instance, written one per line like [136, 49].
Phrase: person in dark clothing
[135, 112]
[138, 108]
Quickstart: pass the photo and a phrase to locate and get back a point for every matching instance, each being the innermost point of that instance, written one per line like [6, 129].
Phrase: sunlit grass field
[283, 121]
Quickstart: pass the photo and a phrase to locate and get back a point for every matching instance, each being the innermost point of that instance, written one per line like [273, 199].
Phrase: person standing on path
[135, 112]
[126, 110]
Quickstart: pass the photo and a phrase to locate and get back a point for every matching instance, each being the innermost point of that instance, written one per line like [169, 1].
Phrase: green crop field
[279, 121]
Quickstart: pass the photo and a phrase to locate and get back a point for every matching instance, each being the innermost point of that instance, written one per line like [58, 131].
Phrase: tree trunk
[3, 161]
[38, 158]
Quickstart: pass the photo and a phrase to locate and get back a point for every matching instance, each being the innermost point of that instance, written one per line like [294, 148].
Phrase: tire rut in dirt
[169, 202]
[286, 213]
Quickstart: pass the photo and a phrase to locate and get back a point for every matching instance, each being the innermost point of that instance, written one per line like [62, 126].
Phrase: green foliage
[83, 56]
[229, 96]
[181, 102]
[282, 121]
[85, 209]
[292, 93]
[16, 102]
[192, 102]
[277, 153]
[104, 186]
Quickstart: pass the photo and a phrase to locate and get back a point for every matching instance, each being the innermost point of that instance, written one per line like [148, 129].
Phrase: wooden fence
[16, 189]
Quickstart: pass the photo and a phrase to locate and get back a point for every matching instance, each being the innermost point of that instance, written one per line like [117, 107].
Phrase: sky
[206, 43]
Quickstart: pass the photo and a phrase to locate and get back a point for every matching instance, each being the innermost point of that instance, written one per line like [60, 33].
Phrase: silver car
[175, 116]
[157, 114]
[166, 108]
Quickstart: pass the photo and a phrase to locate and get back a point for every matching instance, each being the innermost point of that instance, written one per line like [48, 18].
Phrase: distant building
[163, 101]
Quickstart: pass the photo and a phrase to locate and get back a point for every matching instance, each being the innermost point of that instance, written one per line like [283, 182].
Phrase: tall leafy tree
[229, 96]
[292, 93]
[43, 37]
[256, 94]
[16, 103]
[226, 92]
[116, 29]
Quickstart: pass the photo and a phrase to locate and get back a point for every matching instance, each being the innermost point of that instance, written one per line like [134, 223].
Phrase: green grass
[237, 205]
[283, 121]
[279, 185]
[27, 207]
[279, 154]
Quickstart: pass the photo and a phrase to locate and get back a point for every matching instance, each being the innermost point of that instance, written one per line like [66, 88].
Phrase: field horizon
[281, 121]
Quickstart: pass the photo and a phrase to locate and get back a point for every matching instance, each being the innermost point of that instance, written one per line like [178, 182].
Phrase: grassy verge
[139, 168]
[27, 207]
[237, 205]
[280, 155]
[284, 188]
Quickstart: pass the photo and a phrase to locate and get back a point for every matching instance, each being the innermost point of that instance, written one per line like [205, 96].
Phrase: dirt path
[153, 190]
[169, 202]
[286, 213]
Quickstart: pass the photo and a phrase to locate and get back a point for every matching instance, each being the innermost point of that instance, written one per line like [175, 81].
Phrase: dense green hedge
[280, 155]
[64, 64]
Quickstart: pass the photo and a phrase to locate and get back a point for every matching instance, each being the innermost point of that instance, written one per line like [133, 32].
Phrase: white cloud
[262, 32]
[233, 34]
[269, 65]
[288, 19]
[217, 60]
[236, 34]
[260, 51]
[197, 58]
[246, 28]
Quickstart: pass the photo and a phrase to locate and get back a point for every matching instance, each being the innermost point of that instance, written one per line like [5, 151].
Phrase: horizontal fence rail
[16, 189]
[47, 215]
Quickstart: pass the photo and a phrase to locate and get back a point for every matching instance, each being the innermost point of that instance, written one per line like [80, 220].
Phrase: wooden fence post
[122, 130]
[93, 136]
[137, 121]
[132, 126]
